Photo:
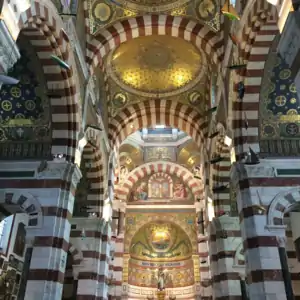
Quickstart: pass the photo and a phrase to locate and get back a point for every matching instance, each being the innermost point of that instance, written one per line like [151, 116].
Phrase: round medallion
[292, 88]
[280, 100]
[194, 98]
[102, 11]
[119, 100]
[292, 129]
[268, 130]
[206, 9]
[285, 74]
[292, 112]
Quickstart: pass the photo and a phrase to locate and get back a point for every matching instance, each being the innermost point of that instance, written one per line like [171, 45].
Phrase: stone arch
[16, 201]
[280, 205]
[184, 174]
[248, 108]
[43, 28]
[76, 254]
[255, 16]
[198, 34]
[150, 113]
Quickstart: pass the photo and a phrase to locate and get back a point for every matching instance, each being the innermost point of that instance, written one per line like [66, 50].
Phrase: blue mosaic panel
[24, 113]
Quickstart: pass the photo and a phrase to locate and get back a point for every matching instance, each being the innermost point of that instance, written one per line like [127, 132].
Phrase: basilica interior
[149, 149]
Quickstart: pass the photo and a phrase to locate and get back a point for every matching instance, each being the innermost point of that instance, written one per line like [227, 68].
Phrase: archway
[122, 31]
[195, 185]
[258, 30]
[23, 215]
[152, 112]
[39, 25]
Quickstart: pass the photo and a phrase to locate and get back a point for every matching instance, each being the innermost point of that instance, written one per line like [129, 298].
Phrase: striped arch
[196, 185]
[76, 254]
[255, 15]
[94, 164]
[221, 172]
[199, 34]
[249, 107]
[43, 28]
[280, 205]
[152, 112]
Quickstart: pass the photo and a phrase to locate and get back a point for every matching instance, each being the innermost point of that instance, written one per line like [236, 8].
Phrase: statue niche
[25, 126]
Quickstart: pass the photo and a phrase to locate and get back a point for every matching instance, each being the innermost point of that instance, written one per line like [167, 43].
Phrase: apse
[161, 246]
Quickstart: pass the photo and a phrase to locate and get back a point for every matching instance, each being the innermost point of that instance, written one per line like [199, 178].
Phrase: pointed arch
[122, 31]
[196, 185]
[152, 112]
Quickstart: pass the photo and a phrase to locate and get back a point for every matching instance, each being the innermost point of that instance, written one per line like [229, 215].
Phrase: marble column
[50, 240]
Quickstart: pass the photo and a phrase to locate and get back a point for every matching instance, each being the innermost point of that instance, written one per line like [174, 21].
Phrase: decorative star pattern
[21, 102]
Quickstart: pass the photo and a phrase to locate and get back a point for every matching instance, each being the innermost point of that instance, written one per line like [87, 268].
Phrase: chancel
[149, 149]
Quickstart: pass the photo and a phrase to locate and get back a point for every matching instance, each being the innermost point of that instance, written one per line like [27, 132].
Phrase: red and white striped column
[54, 190]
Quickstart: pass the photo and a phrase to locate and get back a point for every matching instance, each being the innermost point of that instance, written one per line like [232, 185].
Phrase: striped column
[221, 176]
[105, 260]
[263, 267]
[205, 275]
[54, 190]
[89, 234]
[224, 240]
[118, 266]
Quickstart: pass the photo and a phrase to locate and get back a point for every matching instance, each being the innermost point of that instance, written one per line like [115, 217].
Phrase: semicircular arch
[43, 28]
[177, 26]
[180, 222]
[152, 112]
[196, 185]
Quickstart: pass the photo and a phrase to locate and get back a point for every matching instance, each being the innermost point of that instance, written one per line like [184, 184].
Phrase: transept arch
[152, 112]
[196, 185]
[258, 28]
[247, 110]
[43, 29]
[198, 34]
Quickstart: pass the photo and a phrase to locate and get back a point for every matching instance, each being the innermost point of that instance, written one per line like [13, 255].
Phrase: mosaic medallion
[102, 12]
[206, 9]
[119, 100]
[195, 97]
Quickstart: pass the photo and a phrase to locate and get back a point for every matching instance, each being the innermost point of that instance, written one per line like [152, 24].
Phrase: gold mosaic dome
[156, 65]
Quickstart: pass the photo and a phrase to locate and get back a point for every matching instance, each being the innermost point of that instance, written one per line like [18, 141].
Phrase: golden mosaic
[156, 65]
[151, 5]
